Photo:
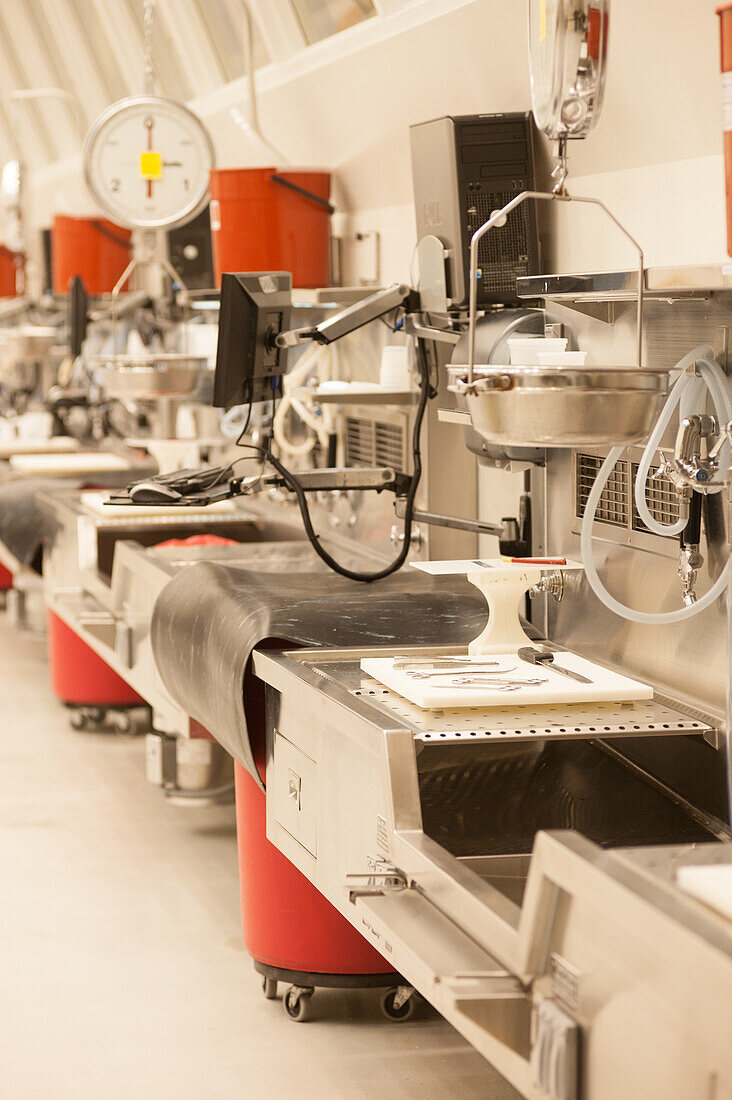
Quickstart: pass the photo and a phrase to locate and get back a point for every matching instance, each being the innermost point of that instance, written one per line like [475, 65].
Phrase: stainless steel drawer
[295, 793]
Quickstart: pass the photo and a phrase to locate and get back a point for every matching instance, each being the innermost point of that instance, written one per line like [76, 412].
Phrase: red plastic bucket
[79, 675]
[724, 11]
[95, 249]
[287, 922]
[263, 219]
[8, 271]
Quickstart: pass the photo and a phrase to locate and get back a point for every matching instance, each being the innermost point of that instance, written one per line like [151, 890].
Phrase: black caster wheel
[296, 1003]
[269, 988]
[77, 720]
[397, 1004]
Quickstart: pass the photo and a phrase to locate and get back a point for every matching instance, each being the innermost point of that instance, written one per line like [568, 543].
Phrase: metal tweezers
[494, 683]
[409, 664]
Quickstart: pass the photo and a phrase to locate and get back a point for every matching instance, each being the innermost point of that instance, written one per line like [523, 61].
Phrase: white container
[562, 358]
[525, 352]
[395, 373]
[35, 425]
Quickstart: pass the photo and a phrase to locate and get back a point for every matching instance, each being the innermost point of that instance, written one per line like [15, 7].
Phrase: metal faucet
[688, 469]
[690, 562]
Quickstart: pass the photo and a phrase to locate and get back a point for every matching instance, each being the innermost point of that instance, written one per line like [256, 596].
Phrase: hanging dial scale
[148, 161]
[567, 63]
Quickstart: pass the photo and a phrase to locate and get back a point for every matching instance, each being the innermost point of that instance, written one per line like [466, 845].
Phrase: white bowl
[562, 358]
[525, 352]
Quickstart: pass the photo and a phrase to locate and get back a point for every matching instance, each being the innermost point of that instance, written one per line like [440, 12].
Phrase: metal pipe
[22, 94]
[251, 124]
[498, 217]
[475, 526]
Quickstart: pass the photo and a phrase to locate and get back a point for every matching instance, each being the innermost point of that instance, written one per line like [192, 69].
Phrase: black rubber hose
[294, 485]
[691, 535]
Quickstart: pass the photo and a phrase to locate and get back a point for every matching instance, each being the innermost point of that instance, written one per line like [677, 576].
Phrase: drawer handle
[294, 787]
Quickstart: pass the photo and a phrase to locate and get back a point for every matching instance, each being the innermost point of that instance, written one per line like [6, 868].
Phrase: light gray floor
[121, 968]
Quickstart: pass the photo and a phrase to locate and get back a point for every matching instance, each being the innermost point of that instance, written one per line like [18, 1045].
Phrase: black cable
[225, 470]
[294, 485]
[392, 325]
[247, 422]
[111, 235]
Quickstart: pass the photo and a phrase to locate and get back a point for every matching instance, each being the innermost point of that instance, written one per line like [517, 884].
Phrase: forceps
[415, 664]
[425, 674]
[487, 682]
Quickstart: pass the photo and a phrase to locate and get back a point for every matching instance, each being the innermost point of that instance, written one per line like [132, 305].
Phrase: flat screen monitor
[255, 307]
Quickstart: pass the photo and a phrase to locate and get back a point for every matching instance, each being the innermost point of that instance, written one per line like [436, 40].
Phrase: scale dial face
[567, 58]
[148, 161]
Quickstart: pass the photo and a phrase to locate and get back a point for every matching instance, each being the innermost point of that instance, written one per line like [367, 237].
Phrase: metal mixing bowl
[138, 377]
[22, 351]
[561, 406]
[27, 343]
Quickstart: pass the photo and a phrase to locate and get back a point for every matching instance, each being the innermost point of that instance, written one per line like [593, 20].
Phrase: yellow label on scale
[151, 166]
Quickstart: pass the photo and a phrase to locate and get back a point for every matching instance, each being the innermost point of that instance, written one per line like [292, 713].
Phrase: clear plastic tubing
[685, 393]
[716, 383]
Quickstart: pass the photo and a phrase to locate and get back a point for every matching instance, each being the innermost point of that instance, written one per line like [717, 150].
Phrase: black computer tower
[465, 167]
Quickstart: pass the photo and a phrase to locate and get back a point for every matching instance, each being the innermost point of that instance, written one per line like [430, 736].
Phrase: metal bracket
[476, 527]
[415, 326]
[383, 879]
[455, 416]
[600, 311]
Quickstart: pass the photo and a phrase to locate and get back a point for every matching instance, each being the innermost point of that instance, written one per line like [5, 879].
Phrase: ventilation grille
[613, 504]
[661, 500]
[503, 254]
[617, 506]
[375, 443]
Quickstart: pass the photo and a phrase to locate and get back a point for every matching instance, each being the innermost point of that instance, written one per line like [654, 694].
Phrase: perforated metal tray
[563, 722]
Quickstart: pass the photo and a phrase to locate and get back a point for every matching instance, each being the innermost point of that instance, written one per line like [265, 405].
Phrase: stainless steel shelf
[355, 396]
[325, 296]
[607, 286]
[510, 723]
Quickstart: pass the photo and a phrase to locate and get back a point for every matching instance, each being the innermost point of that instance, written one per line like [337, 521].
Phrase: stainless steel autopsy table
[434, 833]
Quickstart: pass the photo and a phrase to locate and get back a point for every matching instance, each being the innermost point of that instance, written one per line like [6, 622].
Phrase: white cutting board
[496, 567]
[710, 883]
[95, 503]
[61, 465]
[606, 686]
[57, 444]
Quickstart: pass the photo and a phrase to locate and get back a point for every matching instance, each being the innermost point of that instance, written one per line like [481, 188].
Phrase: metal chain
[149, 58]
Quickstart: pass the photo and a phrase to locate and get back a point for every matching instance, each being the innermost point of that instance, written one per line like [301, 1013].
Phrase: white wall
[347, 103]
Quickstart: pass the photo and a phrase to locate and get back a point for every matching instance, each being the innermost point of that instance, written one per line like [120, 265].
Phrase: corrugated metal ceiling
[94, 51]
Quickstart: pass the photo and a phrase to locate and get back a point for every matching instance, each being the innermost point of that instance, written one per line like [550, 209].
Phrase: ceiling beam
[85, 74]
[8, 150]
[279, 26]
[126, 40]
[28, 140]
[61, 129]
[188, 32]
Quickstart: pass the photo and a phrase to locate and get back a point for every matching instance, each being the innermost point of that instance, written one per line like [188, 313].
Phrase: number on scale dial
[148, 161]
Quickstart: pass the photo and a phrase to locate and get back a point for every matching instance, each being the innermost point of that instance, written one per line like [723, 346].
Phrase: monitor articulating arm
[255, 334]
[352, 318]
